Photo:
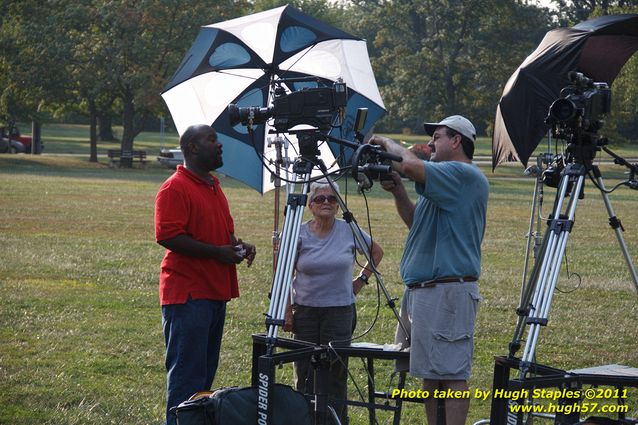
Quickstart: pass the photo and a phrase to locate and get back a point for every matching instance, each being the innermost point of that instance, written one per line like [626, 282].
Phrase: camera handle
[363, 174]
[633, 168]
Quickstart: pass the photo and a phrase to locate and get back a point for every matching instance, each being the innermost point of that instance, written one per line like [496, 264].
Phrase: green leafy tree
[92, 84]
[144, 42]
[92, 55]
[35, 51]
[56, 62]
[621, 124]
[571, 12]
[435, 58]
[509, 33]
[624, 113]
[329, 12]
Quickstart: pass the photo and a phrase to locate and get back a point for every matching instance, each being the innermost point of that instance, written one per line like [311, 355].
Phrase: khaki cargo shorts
[440, 321]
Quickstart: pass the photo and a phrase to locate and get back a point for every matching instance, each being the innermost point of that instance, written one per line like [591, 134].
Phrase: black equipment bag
[238, 406]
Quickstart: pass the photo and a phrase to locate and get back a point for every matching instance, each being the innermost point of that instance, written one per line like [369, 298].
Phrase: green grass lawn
[80, 323]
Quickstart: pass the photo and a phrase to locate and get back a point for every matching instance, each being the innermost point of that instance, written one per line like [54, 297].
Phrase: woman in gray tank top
[323, 296]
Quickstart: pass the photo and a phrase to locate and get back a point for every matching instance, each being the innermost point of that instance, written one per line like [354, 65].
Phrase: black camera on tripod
[576, 116]
[311, 106]
[579, 106]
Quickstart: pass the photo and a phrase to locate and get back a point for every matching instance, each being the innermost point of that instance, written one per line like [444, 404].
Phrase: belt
[432, 283]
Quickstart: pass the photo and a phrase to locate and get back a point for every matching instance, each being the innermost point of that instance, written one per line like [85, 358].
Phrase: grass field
[69, 138]
[80, 331]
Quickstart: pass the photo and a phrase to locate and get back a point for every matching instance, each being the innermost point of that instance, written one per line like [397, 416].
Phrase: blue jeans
[193, 336]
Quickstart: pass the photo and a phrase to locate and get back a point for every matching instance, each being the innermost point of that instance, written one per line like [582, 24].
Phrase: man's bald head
[193, 134]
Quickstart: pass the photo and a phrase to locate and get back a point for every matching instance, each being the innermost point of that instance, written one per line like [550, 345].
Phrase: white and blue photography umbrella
[236, 61]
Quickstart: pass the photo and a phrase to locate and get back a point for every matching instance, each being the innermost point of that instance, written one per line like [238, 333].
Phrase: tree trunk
[36, 137]
[105, 128]
[128, 132]
[450, 92]
[93, 131]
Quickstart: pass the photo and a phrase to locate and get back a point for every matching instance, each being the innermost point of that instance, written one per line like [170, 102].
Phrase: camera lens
[255, 114]
[233, 115]
[562, 110]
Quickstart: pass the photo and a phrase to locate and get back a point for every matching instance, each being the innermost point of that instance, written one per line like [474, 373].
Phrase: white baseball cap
[456, 123]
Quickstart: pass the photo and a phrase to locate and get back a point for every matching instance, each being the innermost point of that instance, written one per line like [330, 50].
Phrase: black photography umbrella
[598, 48]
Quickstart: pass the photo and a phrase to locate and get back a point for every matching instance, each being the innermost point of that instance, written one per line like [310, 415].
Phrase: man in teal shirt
[441, 262]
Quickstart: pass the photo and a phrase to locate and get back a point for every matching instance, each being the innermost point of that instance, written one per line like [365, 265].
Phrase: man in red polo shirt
[198, 274]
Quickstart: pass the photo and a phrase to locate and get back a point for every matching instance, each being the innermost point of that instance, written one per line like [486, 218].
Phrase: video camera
[371, 162]
[368, 162]
[316, 107]
[576, 116]
[312, 106]
[579, 106]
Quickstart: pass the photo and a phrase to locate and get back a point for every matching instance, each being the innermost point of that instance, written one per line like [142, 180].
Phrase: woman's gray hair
[318, 185]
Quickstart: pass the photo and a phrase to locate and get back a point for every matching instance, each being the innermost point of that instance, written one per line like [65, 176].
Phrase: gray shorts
[440, 321]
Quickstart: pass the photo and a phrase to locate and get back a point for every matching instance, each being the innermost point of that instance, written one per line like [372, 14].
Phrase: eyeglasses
[320, 199]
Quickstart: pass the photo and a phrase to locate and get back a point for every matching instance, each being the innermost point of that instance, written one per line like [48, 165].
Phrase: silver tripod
[536, 297]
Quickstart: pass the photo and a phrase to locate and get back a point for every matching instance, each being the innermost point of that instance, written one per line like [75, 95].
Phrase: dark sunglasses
[323, 198]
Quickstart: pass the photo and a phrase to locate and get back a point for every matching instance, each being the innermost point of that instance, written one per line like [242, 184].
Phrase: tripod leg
[282, 281]
[615, 224]
[559, 228]
[525, 306]
[538, 278]
[527, 290]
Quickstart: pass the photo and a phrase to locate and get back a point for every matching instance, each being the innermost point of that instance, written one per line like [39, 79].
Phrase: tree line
[109, 59]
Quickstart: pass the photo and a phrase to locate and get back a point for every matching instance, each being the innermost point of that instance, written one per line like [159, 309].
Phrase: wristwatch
[364, 278]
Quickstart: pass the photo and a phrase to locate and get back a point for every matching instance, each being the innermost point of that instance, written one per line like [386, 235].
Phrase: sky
[546, 3]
